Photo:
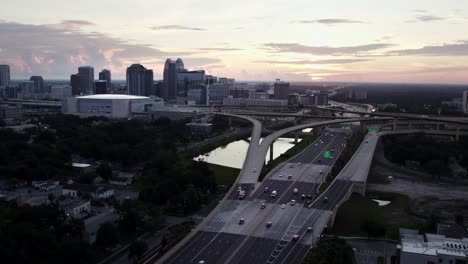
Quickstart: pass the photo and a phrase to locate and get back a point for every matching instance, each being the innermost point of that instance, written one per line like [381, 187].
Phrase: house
[121, 178]
[93, 224]
[94, 191]
[75, 207]
[45, 185]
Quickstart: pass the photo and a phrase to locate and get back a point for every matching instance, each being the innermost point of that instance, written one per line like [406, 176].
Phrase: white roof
[112, 96]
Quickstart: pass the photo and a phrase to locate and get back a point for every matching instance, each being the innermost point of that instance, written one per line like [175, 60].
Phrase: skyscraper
[281, 90]
[4, 75]
[100, 87]
[87, 78]
[38, 84]
[105, 75]
[171, 69]
[139, 80]
[76, 84]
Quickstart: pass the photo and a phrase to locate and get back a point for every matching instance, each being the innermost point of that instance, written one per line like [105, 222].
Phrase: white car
[283, 206]
[281, 174]
[295, 237]
[292, 202]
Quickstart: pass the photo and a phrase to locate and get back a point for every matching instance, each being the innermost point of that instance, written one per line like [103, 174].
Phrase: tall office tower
[4, 75]
[139, 80]
[87, 78]
[38, 84]
[188, 79]
[76, 84]
[281, 90]
[149, 83]
[321, 99]
[105, 75]
[100, 87]
[171, 69]
[210, 79]
[465, 102]
[158, 87]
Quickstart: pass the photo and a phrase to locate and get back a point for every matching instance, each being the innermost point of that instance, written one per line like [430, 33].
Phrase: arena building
[110, 105]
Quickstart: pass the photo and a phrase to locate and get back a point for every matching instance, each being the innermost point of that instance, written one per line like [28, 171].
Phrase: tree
[330, 251]
[137, 249]
[104, 170]
[107, 236]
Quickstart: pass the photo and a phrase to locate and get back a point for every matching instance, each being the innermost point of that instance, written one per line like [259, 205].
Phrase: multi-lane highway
[224, 240]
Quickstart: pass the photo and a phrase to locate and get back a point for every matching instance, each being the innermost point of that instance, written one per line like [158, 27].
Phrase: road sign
[348, 128]
[327, 154]
[373, 129]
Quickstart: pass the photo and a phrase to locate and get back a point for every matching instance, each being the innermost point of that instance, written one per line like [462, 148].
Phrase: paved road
[224, 240]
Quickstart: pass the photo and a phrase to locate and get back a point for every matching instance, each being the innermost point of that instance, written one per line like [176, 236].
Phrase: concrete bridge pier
[230, 121]
[394, 125]
[457, 135]
[410, 124]
[363, 125]
[296, 138]
[271, 151]
[437, 126]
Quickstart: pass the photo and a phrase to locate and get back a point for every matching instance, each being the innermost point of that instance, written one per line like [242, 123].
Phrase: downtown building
[139, 80]
[170, 78]
[105, 75]
[38, 84]
[87, 78]
[281, 90]
[4, 75]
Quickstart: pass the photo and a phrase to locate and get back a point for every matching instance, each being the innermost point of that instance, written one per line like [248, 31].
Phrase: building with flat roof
[110, 105]
[87, 78]
[4, 75]
[95, 191]
[431, 248]
[75, 207]
[281, 90]
[178, 113]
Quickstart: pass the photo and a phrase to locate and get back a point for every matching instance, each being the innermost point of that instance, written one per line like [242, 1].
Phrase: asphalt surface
[224, 240]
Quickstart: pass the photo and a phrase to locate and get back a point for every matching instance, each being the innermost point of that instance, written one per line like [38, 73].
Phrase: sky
[417, 41]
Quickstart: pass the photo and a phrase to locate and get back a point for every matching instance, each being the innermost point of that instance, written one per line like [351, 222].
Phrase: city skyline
[417, 42]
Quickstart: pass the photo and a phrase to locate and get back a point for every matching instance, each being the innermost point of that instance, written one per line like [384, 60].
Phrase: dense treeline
[42, 235]
[330, 251]
[434, 155]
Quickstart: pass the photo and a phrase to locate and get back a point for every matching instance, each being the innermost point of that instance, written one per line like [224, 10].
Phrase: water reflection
[233, 154]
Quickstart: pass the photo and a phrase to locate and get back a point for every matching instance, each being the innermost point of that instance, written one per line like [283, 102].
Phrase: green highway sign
[373, 129]
[327, 154]
[349, 128]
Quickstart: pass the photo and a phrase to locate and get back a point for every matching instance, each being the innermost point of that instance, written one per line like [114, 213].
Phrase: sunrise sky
[295, 40]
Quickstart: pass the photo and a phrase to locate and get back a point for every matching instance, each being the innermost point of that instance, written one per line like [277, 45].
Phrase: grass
[358, 210]
[224, 175]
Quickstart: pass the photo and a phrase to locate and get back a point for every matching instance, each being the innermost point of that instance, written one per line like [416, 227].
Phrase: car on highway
[201, 262]
[283, 206]
[367, 141]
[295, 190]
[290, 165]
[325, 199]
[295, 237]
[321, 172]
[281, 174]
[303, 197]
[309, 229]
[265, 190]
[268, 224]
[319, 161]
[292, 202]
[241, 221]
[254, 170]
[273, 194]
[262, 206]
[289, 176]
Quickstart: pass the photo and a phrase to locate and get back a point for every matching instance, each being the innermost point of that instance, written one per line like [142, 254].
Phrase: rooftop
[112, 96]
[412, 242]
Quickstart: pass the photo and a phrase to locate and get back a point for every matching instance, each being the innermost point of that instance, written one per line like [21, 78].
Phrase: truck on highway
[241, 194]
[295, 191]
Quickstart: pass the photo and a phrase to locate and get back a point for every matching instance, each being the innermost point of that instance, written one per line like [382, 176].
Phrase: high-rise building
[210, 79]
[321, 99]
[38, 84]
[187, 79]
[139, 80]
[100, 87]
[76, 84]
[27, 89]
[4, 75]
[465, 102]
[87, 78]
[171, 70]
[105, 75]
[149, 83]
[281, 90]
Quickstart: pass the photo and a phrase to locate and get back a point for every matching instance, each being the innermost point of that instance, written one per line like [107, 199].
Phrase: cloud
[429, 18]
[419, 11]
[218, 49]
[306, 62]
[330, 21]
[325, 50]
[177, 27]
[76, 24]
[57, 52]
[456, 49]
